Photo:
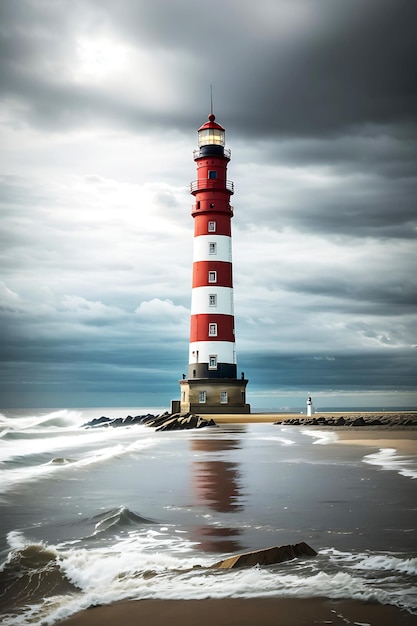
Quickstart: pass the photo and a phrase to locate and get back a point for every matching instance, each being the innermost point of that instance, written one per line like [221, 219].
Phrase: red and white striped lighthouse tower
[212, 385]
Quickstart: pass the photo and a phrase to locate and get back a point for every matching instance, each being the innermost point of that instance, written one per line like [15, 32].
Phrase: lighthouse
[213, 385]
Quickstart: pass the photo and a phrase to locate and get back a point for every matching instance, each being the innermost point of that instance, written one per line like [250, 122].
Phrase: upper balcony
[211, 183]
[213, 150]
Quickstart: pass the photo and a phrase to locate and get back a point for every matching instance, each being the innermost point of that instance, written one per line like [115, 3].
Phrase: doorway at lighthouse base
[219, 395]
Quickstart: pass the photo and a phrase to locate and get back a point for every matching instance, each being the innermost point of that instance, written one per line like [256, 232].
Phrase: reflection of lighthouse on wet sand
[309, 405]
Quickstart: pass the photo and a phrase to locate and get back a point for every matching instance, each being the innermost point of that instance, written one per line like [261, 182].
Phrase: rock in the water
[166, 421]
[183, 422]
[278, 554]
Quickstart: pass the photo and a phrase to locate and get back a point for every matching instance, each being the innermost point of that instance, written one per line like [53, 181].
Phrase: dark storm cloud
[279, 68]
[285, 67]
[349, 370]
[356, 211]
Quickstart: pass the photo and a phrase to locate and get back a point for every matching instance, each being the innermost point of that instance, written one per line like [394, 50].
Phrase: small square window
[223, 397]
[202, 397]
[212, 227]
[212, 330]
[212, 174]
[212, 247]
[213, 362]
[212, 277]
[212, 299]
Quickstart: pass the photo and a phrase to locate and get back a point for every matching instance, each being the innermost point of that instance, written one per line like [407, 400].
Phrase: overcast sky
[100, 105]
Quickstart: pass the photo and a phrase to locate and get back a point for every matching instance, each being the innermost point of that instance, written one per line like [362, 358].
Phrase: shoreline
[404, 441]
[276, 417]
[241, 612]
[387, 435]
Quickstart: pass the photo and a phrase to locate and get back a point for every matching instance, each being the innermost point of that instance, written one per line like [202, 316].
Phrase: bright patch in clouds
[99, 59]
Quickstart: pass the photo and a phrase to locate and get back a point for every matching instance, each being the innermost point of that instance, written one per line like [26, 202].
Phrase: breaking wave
[120, 517]
[30, 573]
[62, 418]
[389, 459]
[159, 563]
[22, 473]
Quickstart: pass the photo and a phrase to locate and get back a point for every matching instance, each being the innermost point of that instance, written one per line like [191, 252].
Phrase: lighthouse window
[213, 362]
[212, 227]
[212, 299]
[212, 248]
[202, 397]
[212, 330]
[223, 397]
[212, 174]
[211, 136]
[212, 277]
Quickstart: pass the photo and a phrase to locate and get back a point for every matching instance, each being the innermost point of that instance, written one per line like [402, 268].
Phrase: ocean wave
[59, 460]
[389, 459]
[388, 563]
[120, 517]
[157, 563]
[31, 556]
[323, 437]
[30, 573]
[282, 440]
[62, 418]
[23, 474]
[382, 561]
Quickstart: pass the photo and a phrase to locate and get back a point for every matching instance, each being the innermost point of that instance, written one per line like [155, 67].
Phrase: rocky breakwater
[166, 421]
[355, 420]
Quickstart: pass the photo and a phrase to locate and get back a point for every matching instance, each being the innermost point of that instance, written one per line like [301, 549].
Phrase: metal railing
[212, 183]
[204, 151]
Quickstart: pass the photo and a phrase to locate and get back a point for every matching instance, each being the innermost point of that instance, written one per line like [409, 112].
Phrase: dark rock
[278, 554]
[359, 421]
[183, 422]
[98, 421]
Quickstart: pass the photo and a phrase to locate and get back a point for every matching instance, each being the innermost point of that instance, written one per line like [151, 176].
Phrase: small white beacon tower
[309, 405]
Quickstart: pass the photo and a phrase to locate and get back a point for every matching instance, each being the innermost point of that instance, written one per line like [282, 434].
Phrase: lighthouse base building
[208, 395]
[212, 385]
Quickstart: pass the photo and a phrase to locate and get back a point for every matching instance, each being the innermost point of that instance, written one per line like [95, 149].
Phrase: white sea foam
[388, 563]
[159, 564]
[282, 440]
[323, 437]
[389, 459]
[382, 562]
[62, 418]
[9, 478]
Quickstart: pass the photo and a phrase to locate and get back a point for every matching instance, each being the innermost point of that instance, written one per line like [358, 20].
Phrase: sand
[404, 441]
[236, 612]
[264, 611]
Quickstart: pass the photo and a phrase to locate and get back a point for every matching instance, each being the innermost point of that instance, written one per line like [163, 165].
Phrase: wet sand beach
[268, 611]
[237, 612]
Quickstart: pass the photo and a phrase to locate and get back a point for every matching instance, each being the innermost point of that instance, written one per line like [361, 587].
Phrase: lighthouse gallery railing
[211, 183]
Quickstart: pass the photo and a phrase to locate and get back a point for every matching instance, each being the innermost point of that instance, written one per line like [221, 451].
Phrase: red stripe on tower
[212, 384]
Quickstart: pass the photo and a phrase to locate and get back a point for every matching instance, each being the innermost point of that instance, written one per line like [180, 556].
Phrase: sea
[91, 516]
